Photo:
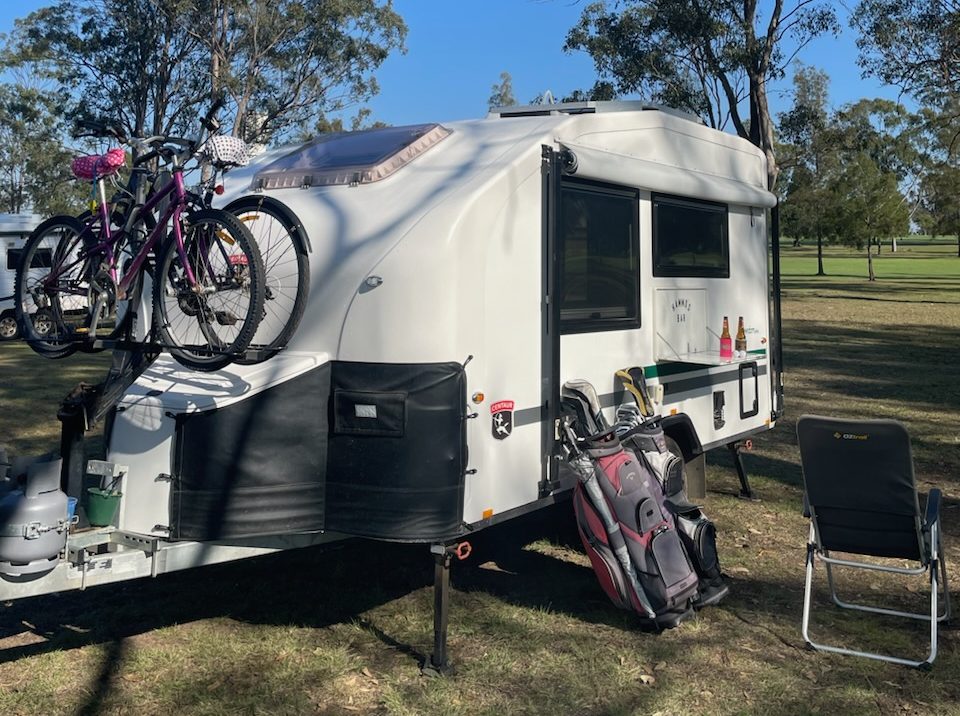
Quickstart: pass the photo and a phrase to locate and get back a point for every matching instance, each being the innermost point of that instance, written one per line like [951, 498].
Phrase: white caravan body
[460, 274]
[443, 261]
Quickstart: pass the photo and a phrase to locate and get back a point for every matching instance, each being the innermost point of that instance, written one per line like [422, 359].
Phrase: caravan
[14, 230]
[460, 274]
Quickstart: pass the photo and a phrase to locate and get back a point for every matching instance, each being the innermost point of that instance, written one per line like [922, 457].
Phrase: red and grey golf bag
[641, 431]
[627, 531]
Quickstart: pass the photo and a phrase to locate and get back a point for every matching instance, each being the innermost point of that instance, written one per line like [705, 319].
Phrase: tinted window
[689, 238]
[599, 264]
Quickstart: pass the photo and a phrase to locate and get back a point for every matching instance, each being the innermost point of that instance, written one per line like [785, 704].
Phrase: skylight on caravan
[350, 157]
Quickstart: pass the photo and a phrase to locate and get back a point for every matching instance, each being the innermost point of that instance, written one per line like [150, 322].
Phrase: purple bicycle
[89, 273]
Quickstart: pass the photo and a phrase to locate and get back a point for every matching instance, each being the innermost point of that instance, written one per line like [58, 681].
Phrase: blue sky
[456, 50]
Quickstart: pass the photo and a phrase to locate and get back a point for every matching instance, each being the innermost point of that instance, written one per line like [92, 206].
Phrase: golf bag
[626, 529]
[641, 431]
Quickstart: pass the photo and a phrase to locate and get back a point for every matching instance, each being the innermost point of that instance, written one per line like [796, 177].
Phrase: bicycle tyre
[225, 261]
[282, 242]
[64, 302]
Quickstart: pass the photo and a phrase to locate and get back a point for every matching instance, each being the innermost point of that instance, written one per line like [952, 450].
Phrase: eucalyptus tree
[153, 66]
[940, 208]
[872, 207]
[809, 159]
[940, 186]
[286, 63]
[709, 57]
[911, 44]
[891, 137]
[501, 94]
[34, 164]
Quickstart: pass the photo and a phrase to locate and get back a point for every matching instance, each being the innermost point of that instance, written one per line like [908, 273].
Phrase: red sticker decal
[502, 423]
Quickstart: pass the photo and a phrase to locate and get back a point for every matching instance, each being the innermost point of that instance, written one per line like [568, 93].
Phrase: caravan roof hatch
[350, 157]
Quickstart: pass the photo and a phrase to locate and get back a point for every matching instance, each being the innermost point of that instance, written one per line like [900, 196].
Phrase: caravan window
[599, 258]
[690, 238]
[42, 258]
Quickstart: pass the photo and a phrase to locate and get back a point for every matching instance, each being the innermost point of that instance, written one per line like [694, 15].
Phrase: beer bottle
[741, 343]
[726, 345]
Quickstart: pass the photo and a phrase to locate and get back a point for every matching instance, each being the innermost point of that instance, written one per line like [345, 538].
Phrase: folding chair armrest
[933, 509]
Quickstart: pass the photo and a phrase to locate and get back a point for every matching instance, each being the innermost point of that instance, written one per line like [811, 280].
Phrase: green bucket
[102, 506]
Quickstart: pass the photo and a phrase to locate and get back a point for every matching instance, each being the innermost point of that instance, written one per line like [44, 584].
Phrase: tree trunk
[870, 275]
[762, 136]
[958, 245]
[893, 244]
[820, 271]
[878, 246]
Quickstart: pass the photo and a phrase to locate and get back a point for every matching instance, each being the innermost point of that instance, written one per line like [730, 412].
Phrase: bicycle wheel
[207, 325]
[53, 281]
[283, 248]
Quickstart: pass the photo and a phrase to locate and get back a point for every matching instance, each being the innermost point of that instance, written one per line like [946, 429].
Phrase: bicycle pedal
[225, 318]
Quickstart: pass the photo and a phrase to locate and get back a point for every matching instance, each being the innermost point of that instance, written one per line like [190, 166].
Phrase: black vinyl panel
[393, 487]
[255, 467]
[367, 449]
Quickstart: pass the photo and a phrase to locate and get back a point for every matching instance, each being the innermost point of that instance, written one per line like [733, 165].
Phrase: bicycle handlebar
[177, 149]
[99, 128]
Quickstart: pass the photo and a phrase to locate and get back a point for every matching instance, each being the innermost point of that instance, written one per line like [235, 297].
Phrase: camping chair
[862, 500]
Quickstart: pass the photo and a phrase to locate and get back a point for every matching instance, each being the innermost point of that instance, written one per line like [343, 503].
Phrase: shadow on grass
[898, 289]
[310, 587]
[109, 671]
[313, 587]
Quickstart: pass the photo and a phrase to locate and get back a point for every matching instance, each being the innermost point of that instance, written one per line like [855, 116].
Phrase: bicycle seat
[98, 165]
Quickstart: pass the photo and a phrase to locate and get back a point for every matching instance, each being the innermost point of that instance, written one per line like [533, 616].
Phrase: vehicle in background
[14, 230]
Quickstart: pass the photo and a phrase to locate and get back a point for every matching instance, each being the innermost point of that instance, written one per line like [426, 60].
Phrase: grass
[341, 631]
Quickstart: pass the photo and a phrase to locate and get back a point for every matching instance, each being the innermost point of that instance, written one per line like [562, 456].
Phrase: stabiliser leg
[745, 492]
[438, 664]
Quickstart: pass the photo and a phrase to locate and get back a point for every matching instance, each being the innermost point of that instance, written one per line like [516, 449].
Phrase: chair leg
[934, 621]
[933, 618]
[807, 597]
[943, 577]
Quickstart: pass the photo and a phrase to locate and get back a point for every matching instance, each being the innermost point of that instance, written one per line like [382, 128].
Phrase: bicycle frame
[111, 239]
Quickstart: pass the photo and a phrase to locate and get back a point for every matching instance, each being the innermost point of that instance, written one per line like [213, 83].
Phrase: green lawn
[341, 631]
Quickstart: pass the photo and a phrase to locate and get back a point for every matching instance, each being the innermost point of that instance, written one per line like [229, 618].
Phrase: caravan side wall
[670, 161]
[467, 283]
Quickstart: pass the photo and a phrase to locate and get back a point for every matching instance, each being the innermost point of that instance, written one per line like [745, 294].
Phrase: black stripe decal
[528, 416]
[703, 381]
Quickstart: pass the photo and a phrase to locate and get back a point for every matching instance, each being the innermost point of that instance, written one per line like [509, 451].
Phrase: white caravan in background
[14, 230]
